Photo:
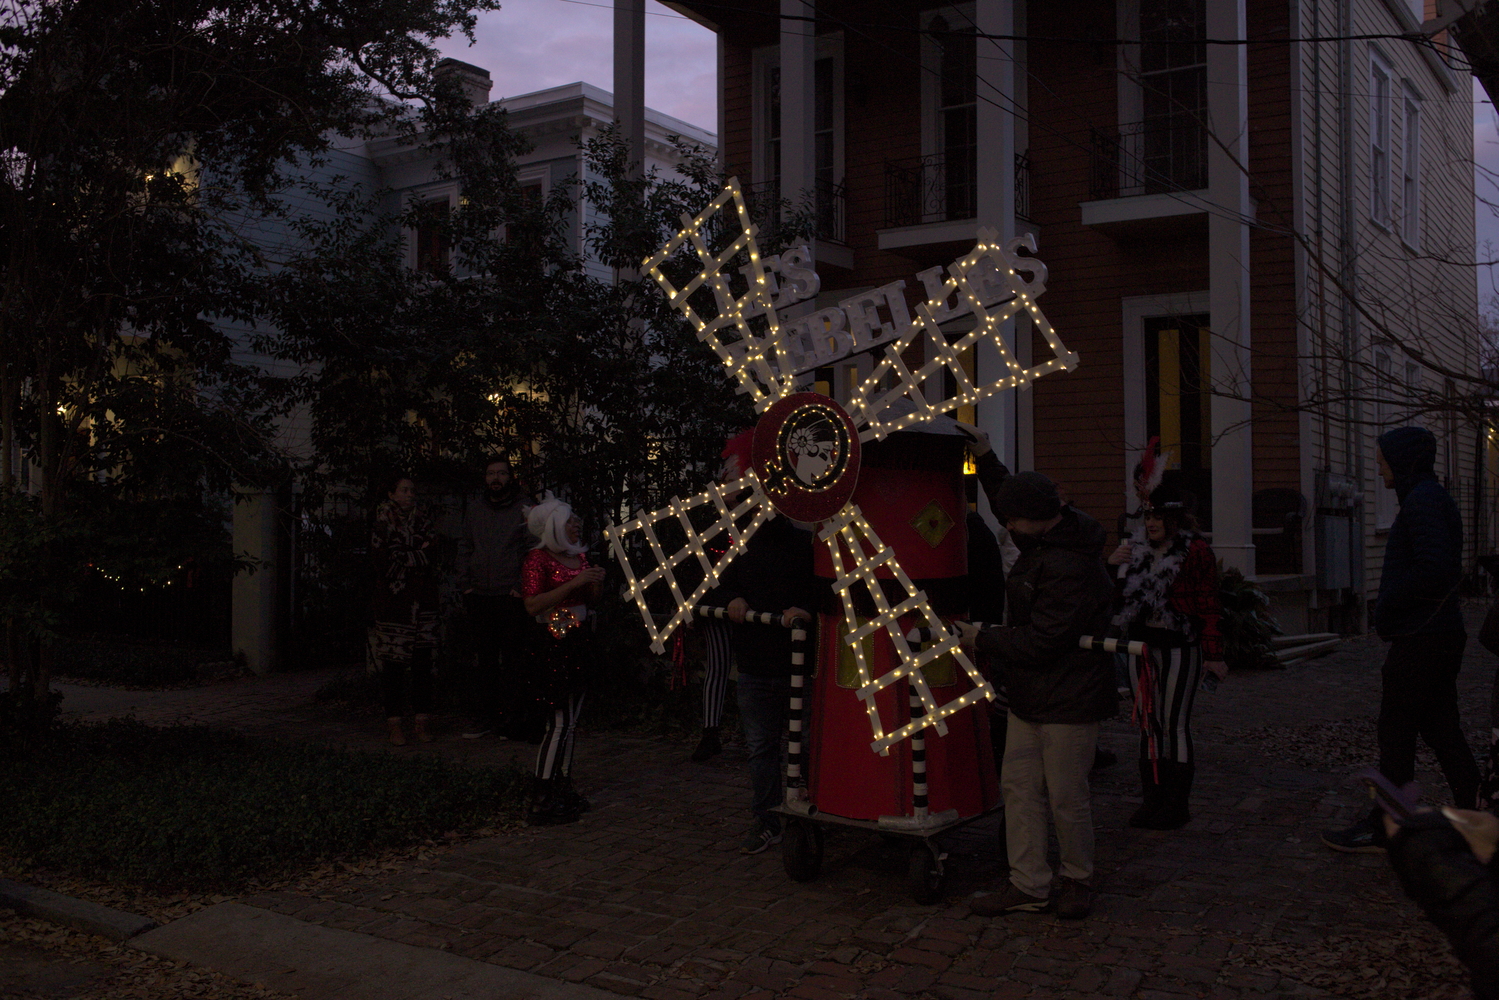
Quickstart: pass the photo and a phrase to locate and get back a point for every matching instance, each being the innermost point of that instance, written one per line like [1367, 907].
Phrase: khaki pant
[1048, 764]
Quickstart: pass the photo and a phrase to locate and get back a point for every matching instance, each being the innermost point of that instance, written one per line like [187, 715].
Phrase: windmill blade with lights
[807, 448]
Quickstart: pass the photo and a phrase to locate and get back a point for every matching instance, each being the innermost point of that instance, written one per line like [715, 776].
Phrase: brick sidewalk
[647, 897]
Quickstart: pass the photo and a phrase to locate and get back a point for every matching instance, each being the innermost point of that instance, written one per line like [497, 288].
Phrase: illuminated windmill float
[806, 456]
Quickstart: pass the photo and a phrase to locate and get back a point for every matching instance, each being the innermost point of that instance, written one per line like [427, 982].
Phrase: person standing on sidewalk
[1417, 614]
[491, 547]
[405, 607]
[559, 585]
[1058, 591]
[1171, 604]
[773, 573]
[716, 634]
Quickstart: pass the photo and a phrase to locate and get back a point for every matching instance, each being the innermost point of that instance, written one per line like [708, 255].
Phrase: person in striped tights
[1170, 603]
[558, 585]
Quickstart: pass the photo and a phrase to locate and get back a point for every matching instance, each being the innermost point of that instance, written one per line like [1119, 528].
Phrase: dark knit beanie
[1027, 494]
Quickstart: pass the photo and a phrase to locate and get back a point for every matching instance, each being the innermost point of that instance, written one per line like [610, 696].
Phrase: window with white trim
[427, 244]
[1410, 171]
[1380, 76]
[827, 127]
[949, 113]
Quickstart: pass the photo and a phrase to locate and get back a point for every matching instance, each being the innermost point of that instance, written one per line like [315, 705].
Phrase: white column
[252, 625]
[722, 53]
[996, 202]
[798, 107]
[629, 78]
[1228, 281]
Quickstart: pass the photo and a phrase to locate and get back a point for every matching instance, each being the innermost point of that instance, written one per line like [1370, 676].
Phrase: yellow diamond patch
[932, 524]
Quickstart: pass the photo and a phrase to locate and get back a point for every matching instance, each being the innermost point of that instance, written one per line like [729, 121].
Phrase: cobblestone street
[647, 896]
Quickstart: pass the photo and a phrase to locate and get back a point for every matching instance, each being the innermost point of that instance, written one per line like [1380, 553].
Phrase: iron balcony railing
[1149, 157]
[933, 189]
[765, 207]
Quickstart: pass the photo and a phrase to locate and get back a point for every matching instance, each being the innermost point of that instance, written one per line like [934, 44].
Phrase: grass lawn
[195, 809]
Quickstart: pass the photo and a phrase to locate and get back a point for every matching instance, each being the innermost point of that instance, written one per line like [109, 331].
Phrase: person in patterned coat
[1171, 604]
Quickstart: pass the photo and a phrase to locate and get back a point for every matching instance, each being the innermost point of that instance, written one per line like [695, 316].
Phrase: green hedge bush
[192, 808]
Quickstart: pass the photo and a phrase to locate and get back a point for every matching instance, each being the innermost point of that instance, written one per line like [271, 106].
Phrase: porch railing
[1148, 157]
[765, 204]
[929, 188]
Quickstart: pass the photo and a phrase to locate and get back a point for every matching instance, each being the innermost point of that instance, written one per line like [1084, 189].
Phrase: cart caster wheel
[924, 874]
[801, 849]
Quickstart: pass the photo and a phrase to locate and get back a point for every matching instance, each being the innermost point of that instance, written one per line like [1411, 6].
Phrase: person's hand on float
[1121, 555]
[978, 441]
[1217, 668]
[968, 632]
[589, 577]
[738, 608]
[791, 614]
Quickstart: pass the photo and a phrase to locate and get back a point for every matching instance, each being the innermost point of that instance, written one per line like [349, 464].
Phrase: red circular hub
[806, 454]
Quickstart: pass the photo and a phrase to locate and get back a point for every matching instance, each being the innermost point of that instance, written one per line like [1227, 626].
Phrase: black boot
[1154, 792]
[1176, 779]
[709, 746]
[572, 800]
[547, 807]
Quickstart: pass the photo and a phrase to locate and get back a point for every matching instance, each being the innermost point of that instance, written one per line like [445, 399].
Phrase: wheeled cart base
[802, 833]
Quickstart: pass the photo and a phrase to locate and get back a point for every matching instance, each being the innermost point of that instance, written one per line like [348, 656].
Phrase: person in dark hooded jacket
[1058, 591]
[1417, 614]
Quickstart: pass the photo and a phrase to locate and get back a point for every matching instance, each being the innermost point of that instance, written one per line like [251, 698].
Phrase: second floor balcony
[1148, 157]
[768, 210]
[936, 188]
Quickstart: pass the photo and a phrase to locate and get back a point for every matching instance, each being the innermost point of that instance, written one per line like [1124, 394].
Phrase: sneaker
[1010, 899]
[1363, 837]
[476, 734]
[758, 840]
[1075, 901]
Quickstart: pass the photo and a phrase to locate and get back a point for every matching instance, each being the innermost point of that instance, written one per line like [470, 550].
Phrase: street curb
[79, 914]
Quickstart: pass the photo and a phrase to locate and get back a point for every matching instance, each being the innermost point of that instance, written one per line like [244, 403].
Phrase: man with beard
[491, 547]
[1057, 591]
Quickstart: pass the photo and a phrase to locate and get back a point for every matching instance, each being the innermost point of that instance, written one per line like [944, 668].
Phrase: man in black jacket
[1417, 614]
[774, 573]
[1058, 590]
[491, 547]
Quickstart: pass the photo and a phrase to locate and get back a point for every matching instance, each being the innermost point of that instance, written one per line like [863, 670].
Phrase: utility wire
[1415, 37]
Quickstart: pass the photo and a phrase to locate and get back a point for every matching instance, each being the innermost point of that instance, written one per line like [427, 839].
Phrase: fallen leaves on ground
[138, 976]
[1411, 961]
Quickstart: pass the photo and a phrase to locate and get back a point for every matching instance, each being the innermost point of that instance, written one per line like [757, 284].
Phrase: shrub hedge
[191, 808]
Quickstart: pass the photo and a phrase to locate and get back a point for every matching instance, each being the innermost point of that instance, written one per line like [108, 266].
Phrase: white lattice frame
[845, 535]
[727, 522]
[868, 402]
[749, 357]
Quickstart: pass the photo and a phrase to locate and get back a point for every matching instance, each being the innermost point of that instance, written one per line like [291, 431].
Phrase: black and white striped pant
[555, 756]
[715, 670]
[1177, 671]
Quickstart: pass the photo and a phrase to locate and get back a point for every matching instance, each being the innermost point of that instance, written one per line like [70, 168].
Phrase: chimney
[472, 80]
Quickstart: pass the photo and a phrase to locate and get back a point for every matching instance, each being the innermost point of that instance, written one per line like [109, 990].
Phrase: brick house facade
[1255, 241]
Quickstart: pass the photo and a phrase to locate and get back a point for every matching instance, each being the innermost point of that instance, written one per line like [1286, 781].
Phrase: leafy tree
[143, 148]
[596, 389]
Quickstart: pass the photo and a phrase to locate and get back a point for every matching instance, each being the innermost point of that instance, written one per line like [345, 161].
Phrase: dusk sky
[534, 44]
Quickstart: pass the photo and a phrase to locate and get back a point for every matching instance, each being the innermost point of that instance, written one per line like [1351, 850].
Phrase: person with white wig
[558, 584]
